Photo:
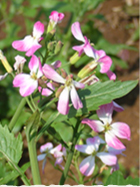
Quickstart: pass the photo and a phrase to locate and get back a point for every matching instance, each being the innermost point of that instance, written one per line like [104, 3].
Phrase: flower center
[107, 127]
[68, 82]
[33, 76]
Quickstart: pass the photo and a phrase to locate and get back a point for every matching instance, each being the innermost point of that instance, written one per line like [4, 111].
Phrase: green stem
[17, 113]
[70, 155]
[34, 162]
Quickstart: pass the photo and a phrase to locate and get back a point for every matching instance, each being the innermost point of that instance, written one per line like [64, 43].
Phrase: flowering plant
[73, 99]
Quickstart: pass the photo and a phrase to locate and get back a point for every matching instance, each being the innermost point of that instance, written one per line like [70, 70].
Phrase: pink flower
[47, 150]
[30, 44]
[29, 82]
[91, 148]
[86, 47]
[56, 17]
[69, 88]
[118, 129]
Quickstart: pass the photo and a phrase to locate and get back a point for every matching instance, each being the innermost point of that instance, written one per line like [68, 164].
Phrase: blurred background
[112, 26]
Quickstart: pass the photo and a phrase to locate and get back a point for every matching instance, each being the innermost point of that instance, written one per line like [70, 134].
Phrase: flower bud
[87, 69]
[89, 80]
[5, 63]
[58, 47]
[42, 83]
[63, 73]
[75, 58]
[51, 45]
[58, 92]
[50, 35]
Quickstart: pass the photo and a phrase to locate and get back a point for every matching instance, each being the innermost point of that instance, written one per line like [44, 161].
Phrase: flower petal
[38, 30]
[88, 149]
[50, 73]
[75, 98]
[41, 157]
[105, 64]
[105, 113]
[76, 31]
[63, 102]
[113, 141]
[111, 75]
[35, 66]
[46, 146]
[117, 107]
[107, 158]
[79, 49]
[3, 76]
[56, 16]
[89, 51]
[87, 166]
[122, 130]
[95, 125]
[78, 84]
[95, 141]
[56, 149]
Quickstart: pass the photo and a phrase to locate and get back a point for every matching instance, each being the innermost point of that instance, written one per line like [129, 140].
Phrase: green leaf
[119, 62]
[117, 179]
[101, 93]
[10, 147]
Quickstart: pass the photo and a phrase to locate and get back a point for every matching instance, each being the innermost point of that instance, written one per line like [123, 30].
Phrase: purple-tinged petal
[105, 113]
[113, 141]
[47, 146]
[63, 102]
[56, 64]
[114, 168]
[117, 107]
[58, 161]
[43, 165]
[107, 158]
[115, 151]
[41, 157]
[95, 125]
[95, 141]
[111, 75]
[78, 84]
[76, 31]
[105, 64]
[51, 74]
[38, 30]
[87, 166]
[75, 98]
[122, 130]
[88, 149]
[3, 76]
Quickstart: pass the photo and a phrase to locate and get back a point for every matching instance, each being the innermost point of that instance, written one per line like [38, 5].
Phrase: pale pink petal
[58, 161]
[75, 98]
[47, 146]
[122, 130]
[111, 75]
[114, 168]
[88, 149]
[50, 73]
[105, 113]
[117, 107]
[45, 91]
[95, 141]
[76, 31]
[105, 64]
[35, 46]
[87, 166]
[78, 84]
[89, 51]
[38, 30]
[3, 76]
[20, 60]
[63, 102]
[100, 53]
[95, 125]
[56, 149]
[41, 157]
[113, 141]
[107, 158]
[35, 66]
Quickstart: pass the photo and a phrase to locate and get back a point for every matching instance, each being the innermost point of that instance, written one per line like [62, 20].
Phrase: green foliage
[10, 147]
[117, 179]
[101, 93]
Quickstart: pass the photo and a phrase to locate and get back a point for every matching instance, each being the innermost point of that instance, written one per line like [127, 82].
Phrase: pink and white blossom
[56, 17]
[28, 83]
[91, 148]
[69, 89]
[30, 44]
[112, 131]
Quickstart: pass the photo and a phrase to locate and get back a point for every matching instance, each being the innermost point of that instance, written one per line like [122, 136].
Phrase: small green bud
[51, 46]
[75, 58]
[50, 35]
[58, 92]
[58, 47]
